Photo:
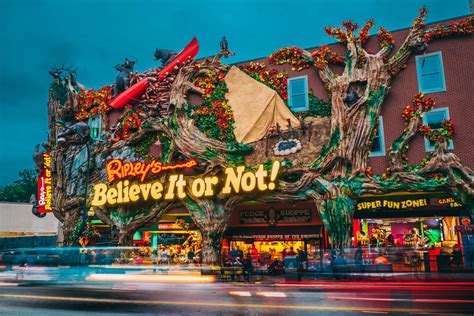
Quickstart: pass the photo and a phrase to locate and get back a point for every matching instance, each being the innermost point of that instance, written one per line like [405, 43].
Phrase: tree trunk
[211, 247]
[212, 218]
[336, 209]
[125, 237]
[70, 220]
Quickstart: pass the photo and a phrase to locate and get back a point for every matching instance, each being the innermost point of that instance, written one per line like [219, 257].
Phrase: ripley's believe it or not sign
[45, 186]
[125, 190]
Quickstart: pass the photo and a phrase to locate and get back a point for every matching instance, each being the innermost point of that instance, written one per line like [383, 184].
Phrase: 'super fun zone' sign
[127, 182]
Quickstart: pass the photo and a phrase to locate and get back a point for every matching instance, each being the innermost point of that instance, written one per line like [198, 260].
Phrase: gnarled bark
[212, 218]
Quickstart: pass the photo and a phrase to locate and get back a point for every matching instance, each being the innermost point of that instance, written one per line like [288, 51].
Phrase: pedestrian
[190, 255]
[164, 256]
[358, 254]
[254, 252]
[302, 259]
[158, 255]
[240, 253]
[139, 259]
[248, 268]
[233, 254]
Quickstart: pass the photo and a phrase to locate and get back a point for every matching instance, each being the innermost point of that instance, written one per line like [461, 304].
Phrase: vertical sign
[44, 186]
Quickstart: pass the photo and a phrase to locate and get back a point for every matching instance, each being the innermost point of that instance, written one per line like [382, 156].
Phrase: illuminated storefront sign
[397, 205]
[275, 216]
[448, 202]
[271, 237]
[116, 169]
[45, 186]
[236, 181]
[438, 203]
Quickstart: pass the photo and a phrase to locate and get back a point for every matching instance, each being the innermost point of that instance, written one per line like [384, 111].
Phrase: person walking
[191, 255]
[248, 268]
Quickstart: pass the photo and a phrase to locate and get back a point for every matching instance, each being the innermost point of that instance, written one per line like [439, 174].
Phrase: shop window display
[417, 244]
[266, 254]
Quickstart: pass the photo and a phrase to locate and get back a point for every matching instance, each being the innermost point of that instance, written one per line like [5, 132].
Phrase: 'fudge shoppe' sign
[127, 182]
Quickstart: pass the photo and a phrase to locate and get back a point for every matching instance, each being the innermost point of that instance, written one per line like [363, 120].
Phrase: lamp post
[85, 140]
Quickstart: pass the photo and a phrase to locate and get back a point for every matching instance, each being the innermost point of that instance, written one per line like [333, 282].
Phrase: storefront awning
[274, 232]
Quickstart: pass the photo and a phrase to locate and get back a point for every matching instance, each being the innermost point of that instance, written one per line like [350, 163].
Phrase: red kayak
[134, 93]
[189, 51]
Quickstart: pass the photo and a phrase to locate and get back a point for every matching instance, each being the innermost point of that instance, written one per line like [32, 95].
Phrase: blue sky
[95, 35]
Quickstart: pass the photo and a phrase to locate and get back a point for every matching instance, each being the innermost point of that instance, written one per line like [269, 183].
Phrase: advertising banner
[45, 186]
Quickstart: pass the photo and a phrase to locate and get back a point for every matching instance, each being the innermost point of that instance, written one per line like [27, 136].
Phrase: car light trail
[149, 278]
[271, 294]
[221, 304]
[420, 300]
[240, 293]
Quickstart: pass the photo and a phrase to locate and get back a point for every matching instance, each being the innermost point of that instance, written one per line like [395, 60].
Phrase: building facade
[277, 154]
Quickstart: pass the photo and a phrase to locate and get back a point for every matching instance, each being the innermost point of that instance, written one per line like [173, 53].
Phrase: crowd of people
[253, 260]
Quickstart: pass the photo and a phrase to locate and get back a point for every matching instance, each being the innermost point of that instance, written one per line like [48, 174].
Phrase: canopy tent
[255, 107]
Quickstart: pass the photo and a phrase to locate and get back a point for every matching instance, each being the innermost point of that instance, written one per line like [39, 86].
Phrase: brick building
[443, 72]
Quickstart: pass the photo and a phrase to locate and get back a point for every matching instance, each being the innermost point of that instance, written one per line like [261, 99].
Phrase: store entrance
[411, 244]
[175, 239]
[264, 253]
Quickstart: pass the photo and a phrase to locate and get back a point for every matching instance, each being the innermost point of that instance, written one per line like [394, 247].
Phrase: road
[317, 298]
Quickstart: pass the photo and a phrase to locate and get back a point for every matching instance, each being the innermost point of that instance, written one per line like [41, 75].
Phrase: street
[309, 298]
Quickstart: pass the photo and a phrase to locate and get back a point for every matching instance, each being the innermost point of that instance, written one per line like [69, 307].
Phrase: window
[430, 73]
[434, 119]
[95, 125]
[378, 143]
[298, 94]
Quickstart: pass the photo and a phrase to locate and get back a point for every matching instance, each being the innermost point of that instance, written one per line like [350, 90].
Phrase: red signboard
[45, 193]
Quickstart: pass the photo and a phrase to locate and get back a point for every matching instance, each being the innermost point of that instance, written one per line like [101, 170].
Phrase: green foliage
[210, 153]
[375, 98]
[335, 216]
[143, 147]
[77, 233]
[237, 153]
[214, 117]
[165, 147]
[22, 189]
[317, 107]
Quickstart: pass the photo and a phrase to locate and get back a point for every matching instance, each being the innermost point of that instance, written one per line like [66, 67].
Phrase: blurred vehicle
[30, 257]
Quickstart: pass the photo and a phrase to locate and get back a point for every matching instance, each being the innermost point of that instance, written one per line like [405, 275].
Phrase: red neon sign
[117, 169]
[45, 193]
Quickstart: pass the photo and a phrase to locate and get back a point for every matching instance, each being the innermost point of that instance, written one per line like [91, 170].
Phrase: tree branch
[404, 52]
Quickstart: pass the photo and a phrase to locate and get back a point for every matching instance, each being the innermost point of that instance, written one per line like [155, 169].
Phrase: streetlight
[85, 140]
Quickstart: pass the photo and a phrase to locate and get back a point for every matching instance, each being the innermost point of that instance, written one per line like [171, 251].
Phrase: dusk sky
[95, 35]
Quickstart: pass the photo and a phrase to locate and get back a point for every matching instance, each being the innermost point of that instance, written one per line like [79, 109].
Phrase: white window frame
[380, 131]
[428, 147]
[290, 99]
[419, 60]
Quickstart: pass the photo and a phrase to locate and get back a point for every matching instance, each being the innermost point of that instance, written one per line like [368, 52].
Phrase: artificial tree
[340, 174]
[337, 176]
